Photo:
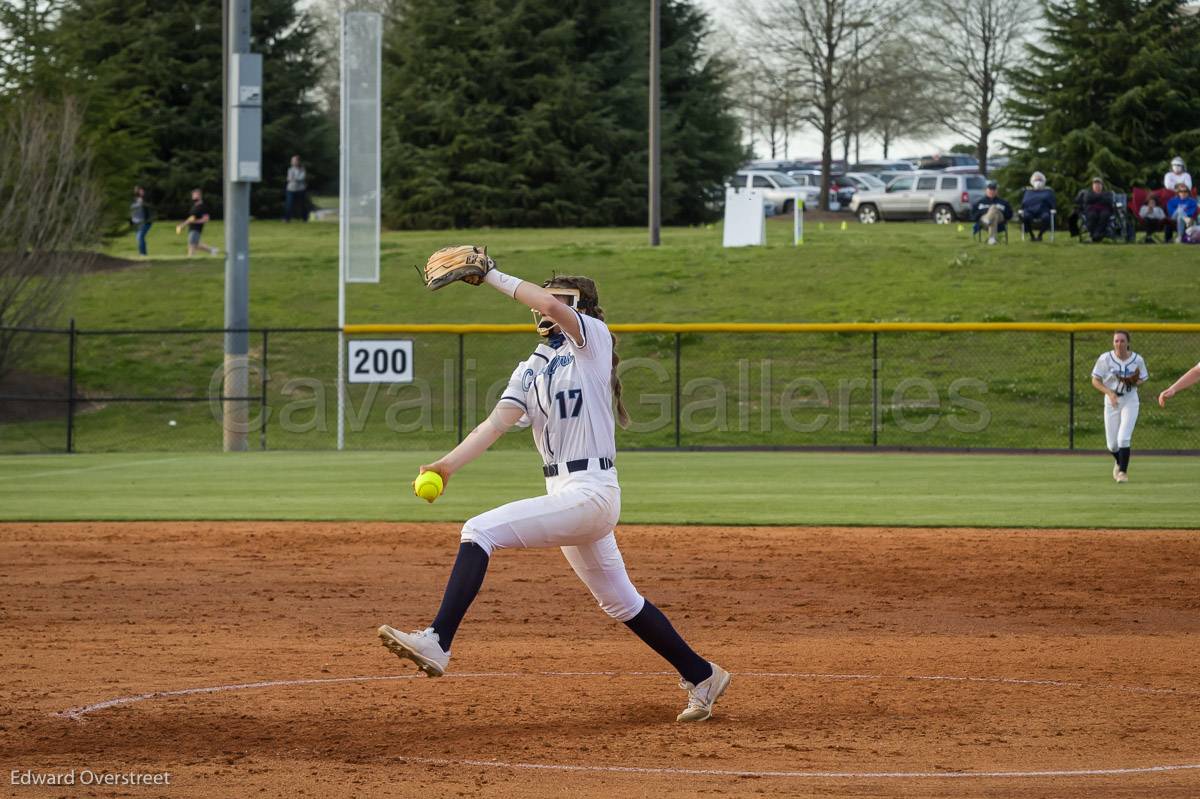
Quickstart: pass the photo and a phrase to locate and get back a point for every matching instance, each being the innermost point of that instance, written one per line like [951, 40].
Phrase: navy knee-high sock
[653, 627]
[465, 580]
[1116, 456]
[1123, 459]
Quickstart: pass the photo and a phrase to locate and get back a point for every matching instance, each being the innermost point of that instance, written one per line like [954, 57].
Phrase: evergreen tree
[150, 73]
[701, 136]
[544, 121]
[1109, 92]
[293, 121]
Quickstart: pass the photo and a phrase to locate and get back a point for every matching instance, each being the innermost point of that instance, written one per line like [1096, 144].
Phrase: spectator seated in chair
[992, 212]
[1181, 210]
[1153, 218]
[1037, 203]
[1095, 206]
[1162, 198]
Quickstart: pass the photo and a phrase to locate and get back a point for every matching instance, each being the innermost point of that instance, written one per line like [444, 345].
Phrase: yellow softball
[428, 486]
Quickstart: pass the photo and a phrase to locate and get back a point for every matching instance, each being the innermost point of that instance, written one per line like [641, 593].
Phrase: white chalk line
[79, 713]
[858, 775]
[59, 472]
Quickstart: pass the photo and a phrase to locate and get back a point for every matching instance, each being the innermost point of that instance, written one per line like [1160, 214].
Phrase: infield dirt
[828, 633]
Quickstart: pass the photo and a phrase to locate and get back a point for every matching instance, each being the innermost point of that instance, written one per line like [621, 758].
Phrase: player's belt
[581, 465]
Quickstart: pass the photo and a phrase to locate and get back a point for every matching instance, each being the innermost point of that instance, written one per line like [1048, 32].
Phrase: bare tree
[970, 46]
[897, 97]
[767, 99]
[50, 215]
[817, 40]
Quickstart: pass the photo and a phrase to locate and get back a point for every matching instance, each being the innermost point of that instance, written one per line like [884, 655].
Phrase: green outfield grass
[669, 488]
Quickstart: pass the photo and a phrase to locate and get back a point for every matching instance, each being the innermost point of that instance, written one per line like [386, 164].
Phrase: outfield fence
[687, 386]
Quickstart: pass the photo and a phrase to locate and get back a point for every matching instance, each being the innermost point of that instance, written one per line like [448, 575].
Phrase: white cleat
[1116, 472]
[991, 239]
[702, 697]
[420, 646]
[1122, 477]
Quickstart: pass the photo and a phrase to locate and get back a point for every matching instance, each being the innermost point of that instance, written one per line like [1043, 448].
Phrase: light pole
[655, 221]
[242, 87]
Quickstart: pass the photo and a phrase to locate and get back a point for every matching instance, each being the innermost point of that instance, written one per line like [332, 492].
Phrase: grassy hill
[897, 271]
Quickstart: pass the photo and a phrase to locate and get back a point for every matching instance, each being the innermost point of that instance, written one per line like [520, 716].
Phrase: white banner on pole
[362, 41]
[359, 200]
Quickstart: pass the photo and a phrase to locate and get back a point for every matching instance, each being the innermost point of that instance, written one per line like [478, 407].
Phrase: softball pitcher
[1117, 375]
[565, 391]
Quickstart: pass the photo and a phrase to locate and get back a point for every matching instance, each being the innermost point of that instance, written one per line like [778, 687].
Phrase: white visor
[569, 297]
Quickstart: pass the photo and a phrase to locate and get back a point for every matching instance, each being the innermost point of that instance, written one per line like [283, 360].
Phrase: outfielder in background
[565, 391]
[1117, 375]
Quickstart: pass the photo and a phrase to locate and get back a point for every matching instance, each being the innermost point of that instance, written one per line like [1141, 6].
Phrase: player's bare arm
[550, 306]
[502, 419]
[1105, 390]
[1186, 380]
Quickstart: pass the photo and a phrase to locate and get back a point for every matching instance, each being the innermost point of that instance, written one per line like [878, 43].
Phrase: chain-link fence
[960, 387]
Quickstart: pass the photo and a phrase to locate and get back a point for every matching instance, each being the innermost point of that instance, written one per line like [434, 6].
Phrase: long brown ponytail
[589, 303]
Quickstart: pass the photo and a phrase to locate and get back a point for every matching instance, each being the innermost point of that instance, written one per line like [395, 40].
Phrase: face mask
[1039, 184]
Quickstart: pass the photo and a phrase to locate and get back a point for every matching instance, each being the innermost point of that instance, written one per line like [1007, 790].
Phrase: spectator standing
[1153, 219]
[1097, 209]
[196, 220]
[297, 192]
[1181, 210]
[1177, 175]
[991, 210]
[1037, 204]
[140, 216]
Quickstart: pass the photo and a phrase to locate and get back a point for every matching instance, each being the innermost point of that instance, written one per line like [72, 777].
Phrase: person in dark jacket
[1037, 202]
[991, 210]
[1097, 208]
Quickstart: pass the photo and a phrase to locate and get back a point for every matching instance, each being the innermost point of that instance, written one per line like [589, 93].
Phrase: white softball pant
[1119, 421]
[577, 514]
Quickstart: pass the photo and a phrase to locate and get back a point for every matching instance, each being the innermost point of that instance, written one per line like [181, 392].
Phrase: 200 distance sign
[380, 361]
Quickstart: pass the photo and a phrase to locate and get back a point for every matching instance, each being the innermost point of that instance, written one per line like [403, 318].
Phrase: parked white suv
[936, 195]
[777, 187]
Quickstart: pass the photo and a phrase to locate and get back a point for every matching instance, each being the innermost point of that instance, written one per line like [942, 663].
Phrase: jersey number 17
[562, 397]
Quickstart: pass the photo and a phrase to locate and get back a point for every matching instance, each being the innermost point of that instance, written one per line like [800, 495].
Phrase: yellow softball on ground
[428, 486]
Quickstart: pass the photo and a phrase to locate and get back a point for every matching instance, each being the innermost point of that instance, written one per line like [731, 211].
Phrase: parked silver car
[777, 187]
[937, 195]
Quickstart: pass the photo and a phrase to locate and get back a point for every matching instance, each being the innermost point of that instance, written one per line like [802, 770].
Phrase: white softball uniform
[566, 396]
[1120, 421]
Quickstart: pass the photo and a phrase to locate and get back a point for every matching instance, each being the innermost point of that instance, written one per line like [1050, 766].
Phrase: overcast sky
[805, 143]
